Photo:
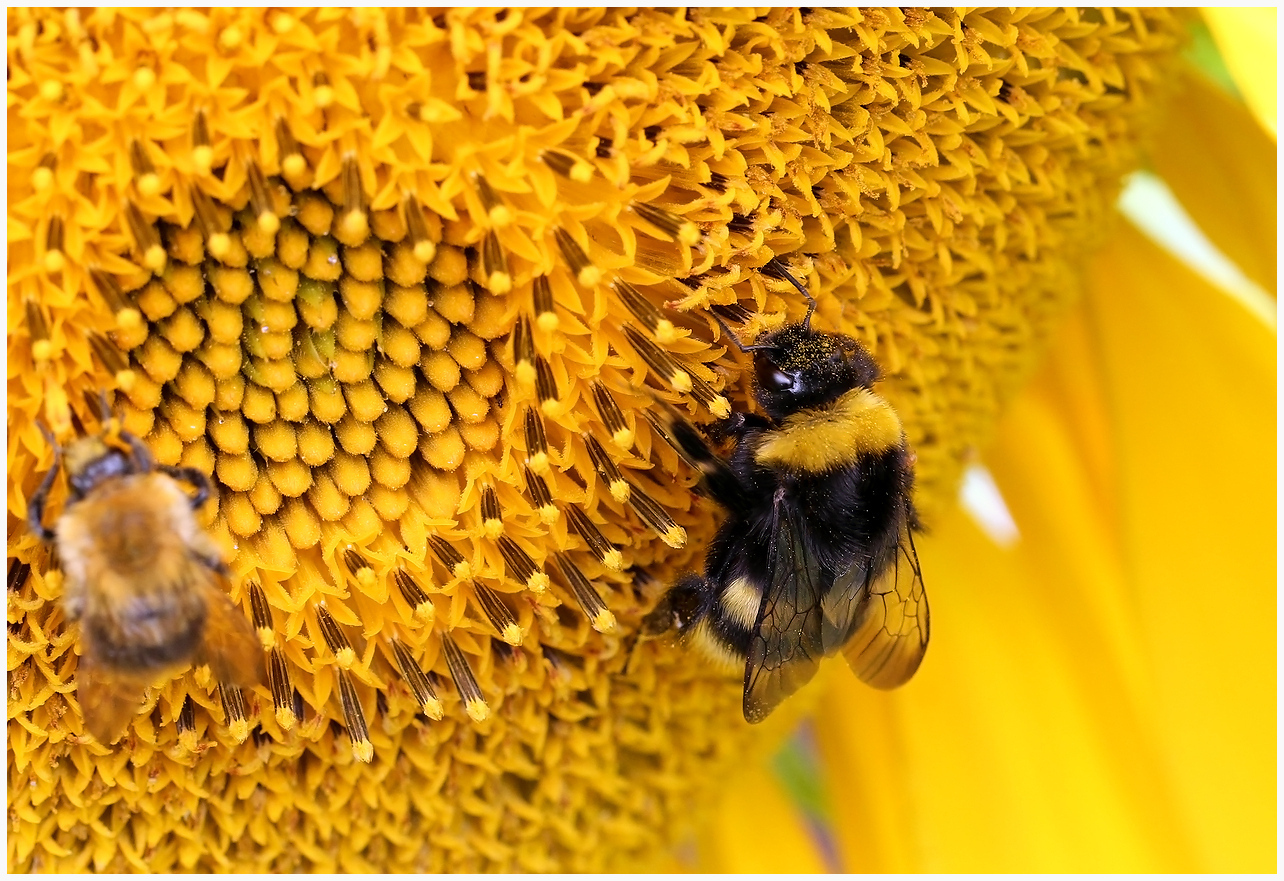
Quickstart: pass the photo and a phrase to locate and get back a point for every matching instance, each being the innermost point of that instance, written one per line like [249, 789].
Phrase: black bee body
[816, 555]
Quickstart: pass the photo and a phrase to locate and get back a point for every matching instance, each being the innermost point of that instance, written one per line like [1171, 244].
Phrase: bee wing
[107, 702]
[891, 624]
[230, 646]
[786, 646]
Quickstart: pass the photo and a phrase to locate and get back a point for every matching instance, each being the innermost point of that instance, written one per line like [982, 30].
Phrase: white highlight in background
[980, 497]
[1152, 207]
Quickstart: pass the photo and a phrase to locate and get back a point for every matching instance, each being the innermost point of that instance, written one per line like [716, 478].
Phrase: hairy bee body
[816, 555]
[143, 579]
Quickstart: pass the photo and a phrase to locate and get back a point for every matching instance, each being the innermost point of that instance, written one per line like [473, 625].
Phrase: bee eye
[777, 380]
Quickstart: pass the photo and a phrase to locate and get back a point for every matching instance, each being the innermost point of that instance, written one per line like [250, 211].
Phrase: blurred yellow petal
[759, 829]
[1100, 696]
[1221, 166]
[1193, 412]
[1247, 39]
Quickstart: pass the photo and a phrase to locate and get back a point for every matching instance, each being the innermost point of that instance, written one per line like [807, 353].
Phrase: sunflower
[407, 286]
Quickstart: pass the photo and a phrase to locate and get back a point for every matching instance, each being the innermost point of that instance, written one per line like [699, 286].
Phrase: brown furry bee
[816, 556]
[146, 583]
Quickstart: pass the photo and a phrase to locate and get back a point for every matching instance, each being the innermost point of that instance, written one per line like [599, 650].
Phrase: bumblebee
[817, 554]
[146, 583]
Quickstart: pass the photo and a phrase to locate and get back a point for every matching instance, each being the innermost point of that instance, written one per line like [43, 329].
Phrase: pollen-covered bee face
[798, 368]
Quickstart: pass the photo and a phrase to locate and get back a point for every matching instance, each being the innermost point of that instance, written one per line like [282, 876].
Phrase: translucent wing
[786, 645]
[230, 645]
[107, 702]
[842, 607]
[890, 628]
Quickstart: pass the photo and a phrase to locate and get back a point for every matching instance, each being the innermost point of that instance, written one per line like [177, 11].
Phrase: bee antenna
[776, 267]
[49, 437]
[76, 423]
[36, 504]
[105, 411]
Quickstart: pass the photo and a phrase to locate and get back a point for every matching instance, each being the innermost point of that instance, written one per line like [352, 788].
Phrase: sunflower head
[408, 287]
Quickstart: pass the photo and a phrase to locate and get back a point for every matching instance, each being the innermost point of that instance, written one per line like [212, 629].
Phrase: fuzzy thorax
[820, 440]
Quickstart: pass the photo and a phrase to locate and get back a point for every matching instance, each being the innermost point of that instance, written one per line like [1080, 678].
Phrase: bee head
[90, 461]
[798, 368]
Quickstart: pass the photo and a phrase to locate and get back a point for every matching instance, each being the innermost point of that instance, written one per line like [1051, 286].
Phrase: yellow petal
[1221, 166]
[1100, 696]
[759, 829]
[1247, 38]
[1193, 399]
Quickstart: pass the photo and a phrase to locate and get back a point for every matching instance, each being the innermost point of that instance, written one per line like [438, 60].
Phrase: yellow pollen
[477, 710]
[51, 90]
[294, 165]
[346, 657]
[220, 245]
[230, 38]
[499, 283]
[353, 228]
[425, 251]
[144, 78]
[604, 622]
[154, 258]
[203, 159]
[323, 97]
[425, 613]
[149, 185]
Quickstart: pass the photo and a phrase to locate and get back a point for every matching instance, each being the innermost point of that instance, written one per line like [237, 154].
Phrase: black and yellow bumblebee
[817, 554]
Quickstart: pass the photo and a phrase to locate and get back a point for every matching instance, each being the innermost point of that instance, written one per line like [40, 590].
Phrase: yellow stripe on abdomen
[821, 440]
[722, 656]
[740, 600]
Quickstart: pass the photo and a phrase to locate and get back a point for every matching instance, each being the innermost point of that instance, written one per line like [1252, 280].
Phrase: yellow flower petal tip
[407, 285]
[604, 622]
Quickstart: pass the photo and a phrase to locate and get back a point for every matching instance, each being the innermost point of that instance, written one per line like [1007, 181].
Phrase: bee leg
[143, 461]
[719, 480]
[195, 477]
[684, 604]
[36, 505]
[738, 424]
